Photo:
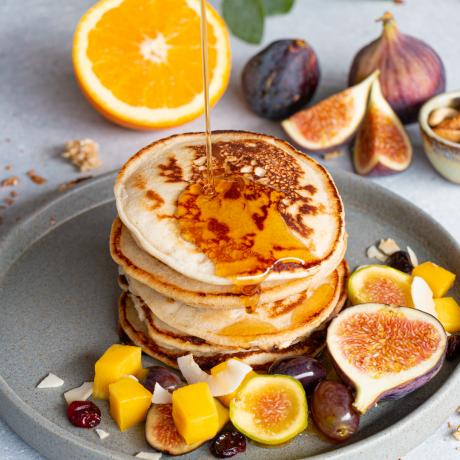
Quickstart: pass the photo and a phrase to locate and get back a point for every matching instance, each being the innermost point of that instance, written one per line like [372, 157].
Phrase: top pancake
[149, 184]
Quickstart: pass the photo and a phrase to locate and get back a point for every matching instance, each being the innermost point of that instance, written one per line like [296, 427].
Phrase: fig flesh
[385, 352]
[333, 121]
[382, 146]
[380, 284]
[281, 79]
[161, 432]
[411, 72]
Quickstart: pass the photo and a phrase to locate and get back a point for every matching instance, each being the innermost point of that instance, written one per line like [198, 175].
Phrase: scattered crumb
[331, 155]
[373, 253]
[102, 434]
[13, 194]
[52, 221]
[449, 425]
[84, 154]
[388, 246]
[35, 178]
[8, 201]
[11, 181]
[456, 433]
[8, 168]
[68, 185]
[398, 2]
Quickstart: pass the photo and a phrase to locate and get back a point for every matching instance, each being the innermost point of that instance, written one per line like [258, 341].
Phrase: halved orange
[139, 61]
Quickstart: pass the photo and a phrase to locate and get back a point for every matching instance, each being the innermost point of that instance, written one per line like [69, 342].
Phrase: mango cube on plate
[195, 413]
[225, 399]
[448, 312]
[118, 360]
[129, 402]
[439, 279]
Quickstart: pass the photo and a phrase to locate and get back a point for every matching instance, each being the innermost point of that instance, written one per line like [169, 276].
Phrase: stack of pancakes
[173, 303]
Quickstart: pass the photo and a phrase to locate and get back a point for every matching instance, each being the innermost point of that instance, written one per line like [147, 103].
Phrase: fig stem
[389, 24]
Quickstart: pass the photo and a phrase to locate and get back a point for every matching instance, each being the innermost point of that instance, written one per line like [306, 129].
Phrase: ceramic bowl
[444, 155]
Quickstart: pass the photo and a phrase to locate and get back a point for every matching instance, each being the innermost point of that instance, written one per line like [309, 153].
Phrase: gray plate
[58, 314]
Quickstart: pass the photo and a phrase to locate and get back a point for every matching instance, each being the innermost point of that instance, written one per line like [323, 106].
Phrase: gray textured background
[41, 108]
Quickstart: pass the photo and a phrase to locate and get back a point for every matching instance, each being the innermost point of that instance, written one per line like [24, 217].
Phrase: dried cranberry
[228, 444]
[401, 261]
[453, 347]
[84, 414]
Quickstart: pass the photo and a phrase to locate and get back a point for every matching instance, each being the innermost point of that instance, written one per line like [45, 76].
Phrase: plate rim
[17, 413]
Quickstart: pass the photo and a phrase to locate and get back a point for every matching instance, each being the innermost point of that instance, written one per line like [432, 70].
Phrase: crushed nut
[13, 194]
[202, 168]
[458, 409]
[456, 433]
[68, 185]
[35, 178]
[200, 161]
[8, 168]
[8, 201]
[373, 253]
[10, 181]
[388, 246]
[253, 162]
[449, 425]
[259, 172]
[331, 155]
[264, 181]
[246, 169]
[84, 154]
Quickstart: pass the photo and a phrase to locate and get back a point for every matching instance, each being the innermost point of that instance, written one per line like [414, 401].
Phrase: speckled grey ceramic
[58, 298]
[443, 154]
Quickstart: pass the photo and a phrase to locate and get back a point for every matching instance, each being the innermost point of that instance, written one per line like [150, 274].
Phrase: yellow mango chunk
[223, 415]
[129, 402]
[195, 413]
[118, 360]
[439, 279]
[225, 399]
[448, 312]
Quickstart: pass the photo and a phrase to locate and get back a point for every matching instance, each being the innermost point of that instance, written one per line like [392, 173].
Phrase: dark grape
[401, 261]
[84, 414]
[168, 379]
[228, 444]
[332, 410]
[453, 347]
[308, 371]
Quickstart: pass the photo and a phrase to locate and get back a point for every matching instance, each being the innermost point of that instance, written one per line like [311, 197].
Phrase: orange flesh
[386, 342]
[384, 290]
[239, 228]
[248, 327]
[170, 78]
[380, 136]
[326, 119]
[320, 299]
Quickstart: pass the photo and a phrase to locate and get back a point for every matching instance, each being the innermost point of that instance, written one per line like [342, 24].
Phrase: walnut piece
[84, 154]
[35, 178]
[11, 181]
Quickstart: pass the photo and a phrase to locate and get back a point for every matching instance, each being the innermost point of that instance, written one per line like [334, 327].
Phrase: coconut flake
[388, 246]
[149, 455]
[51, 381]
[81, 393]
[223, 383]
[412, 256]
[102, 434]
[160, 395]
[422, 296]
[374, 253]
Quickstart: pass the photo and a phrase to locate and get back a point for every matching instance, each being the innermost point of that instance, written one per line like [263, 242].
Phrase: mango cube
[118, 360]
[129, 402]
[448, 312]
[223, 415]
[195, 414]
[439, 279]
[225, 399]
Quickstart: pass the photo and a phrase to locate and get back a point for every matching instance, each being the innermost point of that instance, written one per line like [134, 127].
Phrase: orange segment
[139, 61]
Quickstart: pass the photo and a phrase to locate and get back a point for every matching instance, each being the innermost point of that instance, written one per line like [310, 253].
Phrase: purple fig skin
[397, 392]
[408, 86]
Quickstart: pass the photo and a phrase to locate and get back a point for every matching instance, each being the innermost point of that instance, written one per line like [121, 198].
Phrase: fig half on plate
[385, 352]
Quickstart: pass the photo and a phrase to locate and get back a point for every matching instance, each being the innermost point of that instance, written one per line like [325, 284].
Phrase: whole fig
[281, 79]
[411, 72]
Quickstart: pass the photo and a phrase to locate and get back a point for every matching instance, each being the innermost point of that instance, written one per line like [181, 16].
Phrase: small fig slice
[270, 409]
[161, 432]
[333, 121]
[380, 284]
[385, 352]
[382, 146]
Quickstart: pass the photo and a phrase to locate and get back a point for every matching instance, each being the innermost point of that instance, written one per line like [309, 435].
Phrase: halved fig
[382, 146]
[161, 432]
[385, 352]
[380, 284]
[333, 121]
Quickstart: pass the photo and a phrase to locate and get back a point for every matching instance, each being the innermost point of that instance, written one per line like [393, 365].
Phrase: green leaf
[277, 6]
[245, 18]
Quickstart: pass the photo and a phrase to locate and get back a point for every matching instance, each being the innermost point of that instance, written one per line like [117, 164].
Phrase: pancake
[278, 324]
[141, 266]
[149, 185]
[135, 329]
